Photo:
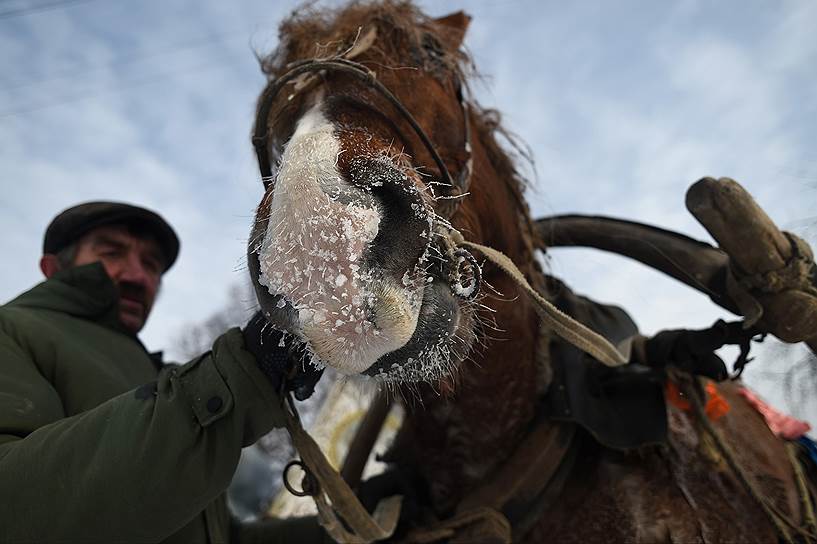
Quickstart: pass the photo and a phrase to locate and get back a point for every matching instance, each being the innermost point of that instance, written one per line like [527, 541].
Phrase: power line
[94, 93]
[134, 57]
[19, 12]
[218, 38]
[73, 75]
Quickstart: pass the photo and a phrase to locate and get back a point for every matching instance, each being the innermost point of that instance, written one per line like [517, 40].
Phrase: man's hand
[281, 358]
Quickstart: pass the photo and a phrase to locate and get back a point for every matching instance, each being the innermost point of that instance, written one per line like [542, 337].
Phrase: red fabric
[716, 406]
[782, 425]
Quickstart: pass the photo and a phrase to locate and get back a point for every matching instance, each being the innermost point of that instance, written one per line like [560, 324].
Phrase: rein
[570, 330]
[335, 500]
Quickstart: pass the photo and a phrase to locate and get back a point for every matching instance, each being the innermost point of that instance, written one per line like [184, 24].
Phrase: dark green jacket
[97, 443]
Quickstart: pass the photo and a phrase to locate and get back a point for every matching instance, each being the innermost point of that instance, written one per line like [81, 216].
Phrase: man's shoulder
[22, 306]
[30, 326]
[13, 314]
[26, 305]
[34, 324]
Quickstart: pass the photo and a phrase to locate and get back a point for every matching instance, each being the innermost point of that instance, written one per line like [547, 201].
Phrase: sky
[623, 105]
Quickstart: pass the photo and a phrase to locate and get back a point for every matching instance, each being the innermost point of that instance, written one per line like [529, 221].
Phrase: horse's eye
[433, 47]
[275, 154]
[457, 82]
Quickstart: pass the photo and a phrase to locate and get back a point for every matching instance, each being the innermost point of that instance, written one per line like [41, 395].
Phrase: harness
[510, 501]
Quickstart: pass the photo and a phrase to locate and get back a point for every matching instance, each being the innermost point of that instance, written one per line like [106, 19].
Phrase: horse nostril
[405, 227]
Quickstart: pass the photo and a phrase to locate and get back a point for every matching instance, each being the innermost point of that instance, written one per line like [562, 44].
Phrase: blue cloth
[809, 445]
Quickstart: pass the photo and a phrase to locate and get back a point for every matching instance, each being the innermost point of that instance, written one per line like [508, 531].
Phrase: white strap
[562, 324]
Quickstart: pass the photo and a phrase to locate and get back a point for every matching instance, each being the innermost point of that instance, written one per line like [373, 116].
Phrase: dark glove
[281, 358]
[690, 350]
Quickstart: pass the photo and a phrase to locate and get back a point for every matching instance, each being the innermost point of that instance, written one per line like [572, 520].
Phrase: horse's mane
[311, 32]
[487, 125]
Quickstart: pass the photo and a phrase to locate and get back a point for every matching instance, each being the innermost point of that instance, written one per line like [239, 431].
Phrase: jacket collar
[83, 291]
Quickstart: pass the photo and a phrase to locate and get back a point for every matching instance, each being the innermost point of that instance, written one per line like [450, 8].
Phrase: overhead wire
[146, 79]
[48, 6]
[96, 92]
[128, 58]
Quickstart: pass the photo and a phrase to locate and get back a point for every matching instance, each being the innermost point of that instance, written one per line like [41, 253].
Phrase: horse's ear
[453, 27]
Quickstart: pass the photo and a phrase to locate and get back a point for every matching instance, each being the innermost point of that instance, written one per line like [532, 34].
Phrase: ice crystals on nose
[318, 232]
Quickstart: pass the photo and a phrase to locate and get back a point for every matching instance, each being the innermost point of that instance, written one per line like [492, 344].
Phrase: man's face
[134, 264]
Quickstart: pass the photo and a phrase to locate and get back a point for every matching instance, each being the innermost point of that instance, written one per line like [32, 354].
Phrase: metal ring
[309, 485]
[470, 291]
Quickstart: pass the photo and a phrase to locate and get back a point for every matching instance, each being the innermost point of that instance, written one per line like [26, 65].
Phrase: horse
[373, 155]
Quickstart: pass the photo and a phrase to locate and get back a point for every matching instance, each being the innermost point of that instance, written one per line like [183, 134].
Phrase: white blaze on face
[312, 253]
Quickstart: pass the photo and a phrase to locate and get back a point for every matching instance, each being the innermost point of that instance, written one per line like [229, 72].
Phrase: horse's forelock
[314, 31]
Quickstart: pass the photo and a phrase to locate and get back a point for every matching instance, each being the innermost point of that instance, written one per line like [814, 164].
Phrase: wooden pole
[364, 439]
[757, 248]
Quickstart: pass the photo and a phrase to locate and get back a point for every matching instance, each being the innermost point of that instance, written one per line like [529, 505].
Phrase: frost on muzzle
[341, 255]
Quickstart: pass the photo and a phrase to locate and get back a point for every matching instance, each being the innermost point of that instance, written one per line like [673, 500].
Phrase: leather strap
[484, 525]
[528, 471]
[531, 479]
[333, 496]
[562, 324]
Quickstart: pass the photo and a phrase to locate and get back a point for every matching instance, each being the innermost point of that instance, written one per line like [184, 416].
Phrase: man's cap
[77, 220]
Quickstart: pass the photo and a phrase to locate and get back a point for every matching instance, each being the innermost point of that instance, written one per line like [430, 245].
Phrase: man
[100, 442]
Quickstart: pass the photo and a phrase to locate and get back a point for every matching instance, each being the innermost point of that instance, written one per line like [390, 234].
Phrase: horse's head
[366, 152]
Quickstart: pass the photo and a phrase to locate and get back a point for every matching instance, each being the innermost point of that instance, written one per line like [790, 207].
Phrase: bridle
[465, 279]
[566, 327]
[455, 189]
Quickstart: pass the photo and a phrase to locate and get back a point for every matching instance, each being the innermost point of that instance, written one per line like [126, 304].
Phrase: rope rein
[562, 324]
[335, 500]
